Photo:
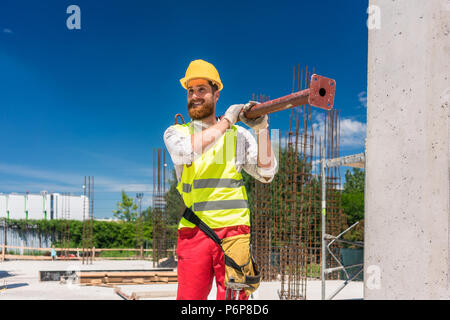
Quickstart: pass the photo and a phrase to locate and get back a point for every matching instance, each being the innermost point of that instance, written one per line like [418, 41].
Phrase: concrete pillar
[407, 215]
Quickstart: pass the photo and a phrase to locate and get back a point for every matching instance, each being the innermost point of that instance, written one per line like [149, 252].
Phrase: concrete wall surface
[407, 215]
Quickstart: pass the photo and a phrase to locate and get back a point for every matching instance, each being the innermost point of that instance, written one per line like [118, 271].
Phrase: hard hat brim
[184, 82]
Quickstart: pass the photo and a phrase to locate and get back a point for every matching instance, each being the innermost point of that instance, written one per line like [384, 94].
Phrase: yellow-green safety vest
[212, 187]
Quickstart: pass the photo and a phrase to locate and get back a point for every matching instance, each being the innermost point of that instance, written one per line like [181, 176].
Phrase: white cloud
[352, 135]
[352, 132]
[362, 98]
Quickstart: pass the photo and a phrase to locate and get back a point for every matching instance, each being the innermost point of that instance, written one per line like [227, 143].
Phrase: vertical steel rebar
[288, 218]
[88, 220]
[324, 212]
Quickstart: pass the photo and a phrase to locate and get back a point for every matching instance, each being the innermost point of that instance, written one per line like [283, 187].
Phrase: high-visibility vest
[212, 187]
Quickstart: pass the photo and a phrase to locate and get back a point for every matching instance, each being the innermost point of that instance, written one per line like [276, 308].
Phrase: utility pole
[140, 225]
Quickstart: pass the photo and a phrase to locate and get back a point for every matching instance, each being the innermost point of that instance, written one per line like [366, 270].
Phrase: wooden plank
[54, 275]
[153, 294]
[138, 280]
[126, 283]
[21, 257]
[96, 281]
[134, 280]
[124, 277]
[144, 283]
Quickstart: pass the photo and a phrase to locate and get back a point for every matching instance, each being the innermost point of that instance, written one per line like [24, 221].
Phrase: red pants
[199, 260]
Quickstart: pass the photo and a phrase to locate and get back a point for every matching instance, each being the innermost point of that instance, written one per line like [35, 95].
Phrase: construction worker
[208, 154]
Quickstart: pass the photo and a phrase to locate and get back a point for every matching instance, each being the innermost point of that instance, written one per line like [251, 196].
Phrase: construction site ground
[21, 280]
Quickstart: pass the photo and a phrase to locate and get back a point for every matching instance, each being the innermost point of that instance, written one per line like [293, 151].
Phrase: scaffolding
[88, 250]
[356, 161]
[140, 239]
[158, 216]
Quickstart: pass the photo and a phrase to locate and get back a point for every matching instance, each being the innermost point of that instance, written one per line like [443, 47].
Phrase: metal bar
[356, 243]
[330, 270]
[336, 239]
[356, 160]
[344, 284]
[343, 232]
[320, 94]
[324, 211]
[83, 258]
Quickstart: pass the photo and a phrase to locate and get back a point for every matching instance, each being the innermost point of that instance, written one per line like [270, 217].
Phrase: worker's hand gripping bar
[320, 94]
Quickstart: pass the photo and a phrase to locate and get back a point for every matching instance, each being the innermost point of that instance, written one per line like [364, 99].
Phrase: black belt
[190, 216]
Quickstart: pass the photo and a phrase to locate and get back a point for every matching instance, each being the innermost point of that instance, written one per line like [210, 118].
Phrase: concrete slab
[22, 279]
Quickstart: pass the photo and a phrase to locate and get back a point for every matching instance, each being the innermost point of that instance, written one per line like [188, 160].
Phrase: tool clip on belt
[190, 216]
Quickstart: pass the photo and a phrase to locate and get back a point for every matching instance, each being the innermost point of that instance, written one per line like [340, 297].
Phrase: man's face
[201, 100]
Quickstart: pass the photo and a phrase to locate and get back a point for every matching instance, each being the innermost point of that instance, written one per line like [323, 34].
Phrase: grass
[313, 270]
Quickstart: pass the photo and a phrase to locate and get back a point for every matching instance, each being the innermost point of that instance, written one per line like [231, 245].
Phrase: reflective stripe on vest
[187, 187]
[217, 183]
[213, 188]
[213, 183]
[220, 205]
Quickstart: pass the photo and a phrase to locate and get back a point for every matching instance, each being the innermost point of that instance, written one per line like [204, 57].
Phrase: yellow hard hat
[201, 69]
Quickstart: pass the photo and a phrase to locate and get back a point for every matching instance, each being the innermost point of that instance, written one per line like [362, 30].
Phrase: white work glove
[232, 113]
[257, 123]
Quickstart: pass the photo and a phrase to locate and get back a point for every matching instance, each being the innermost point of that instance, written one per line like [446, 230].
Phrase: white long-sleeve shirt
[180, 149]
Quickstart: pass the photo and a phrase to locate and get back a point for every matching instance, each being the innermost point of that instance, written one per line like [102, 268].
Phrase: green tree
[126, 209]
[147, 215]
[354, 181]
[353, 195]
[352, 201]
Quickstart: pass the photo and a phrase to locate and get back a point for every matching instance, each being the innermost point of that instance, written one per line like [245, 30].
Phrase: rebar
[286, 214]
[88, 221]
[159, 223]
[140, 226]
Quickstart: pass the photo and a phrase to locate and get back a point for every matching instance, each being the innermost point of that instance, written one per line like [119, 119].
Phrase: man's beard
[201, 111]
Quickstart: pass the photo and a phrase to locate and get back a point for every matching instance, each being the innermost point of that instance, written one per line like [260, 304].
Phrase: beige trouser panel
[238, 248]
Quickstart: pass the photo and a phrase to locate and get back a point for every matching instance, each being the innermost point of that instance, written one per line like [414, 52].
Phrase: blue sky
[96, 101]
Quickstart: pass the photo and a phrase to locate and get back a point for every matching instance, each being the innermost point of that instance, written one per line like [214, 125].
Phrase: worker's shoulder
[178, 125]
[177, 128]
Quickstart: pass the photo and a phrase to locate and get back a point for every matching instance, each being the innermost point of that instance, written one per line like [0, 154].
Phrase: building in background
[45, 205]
